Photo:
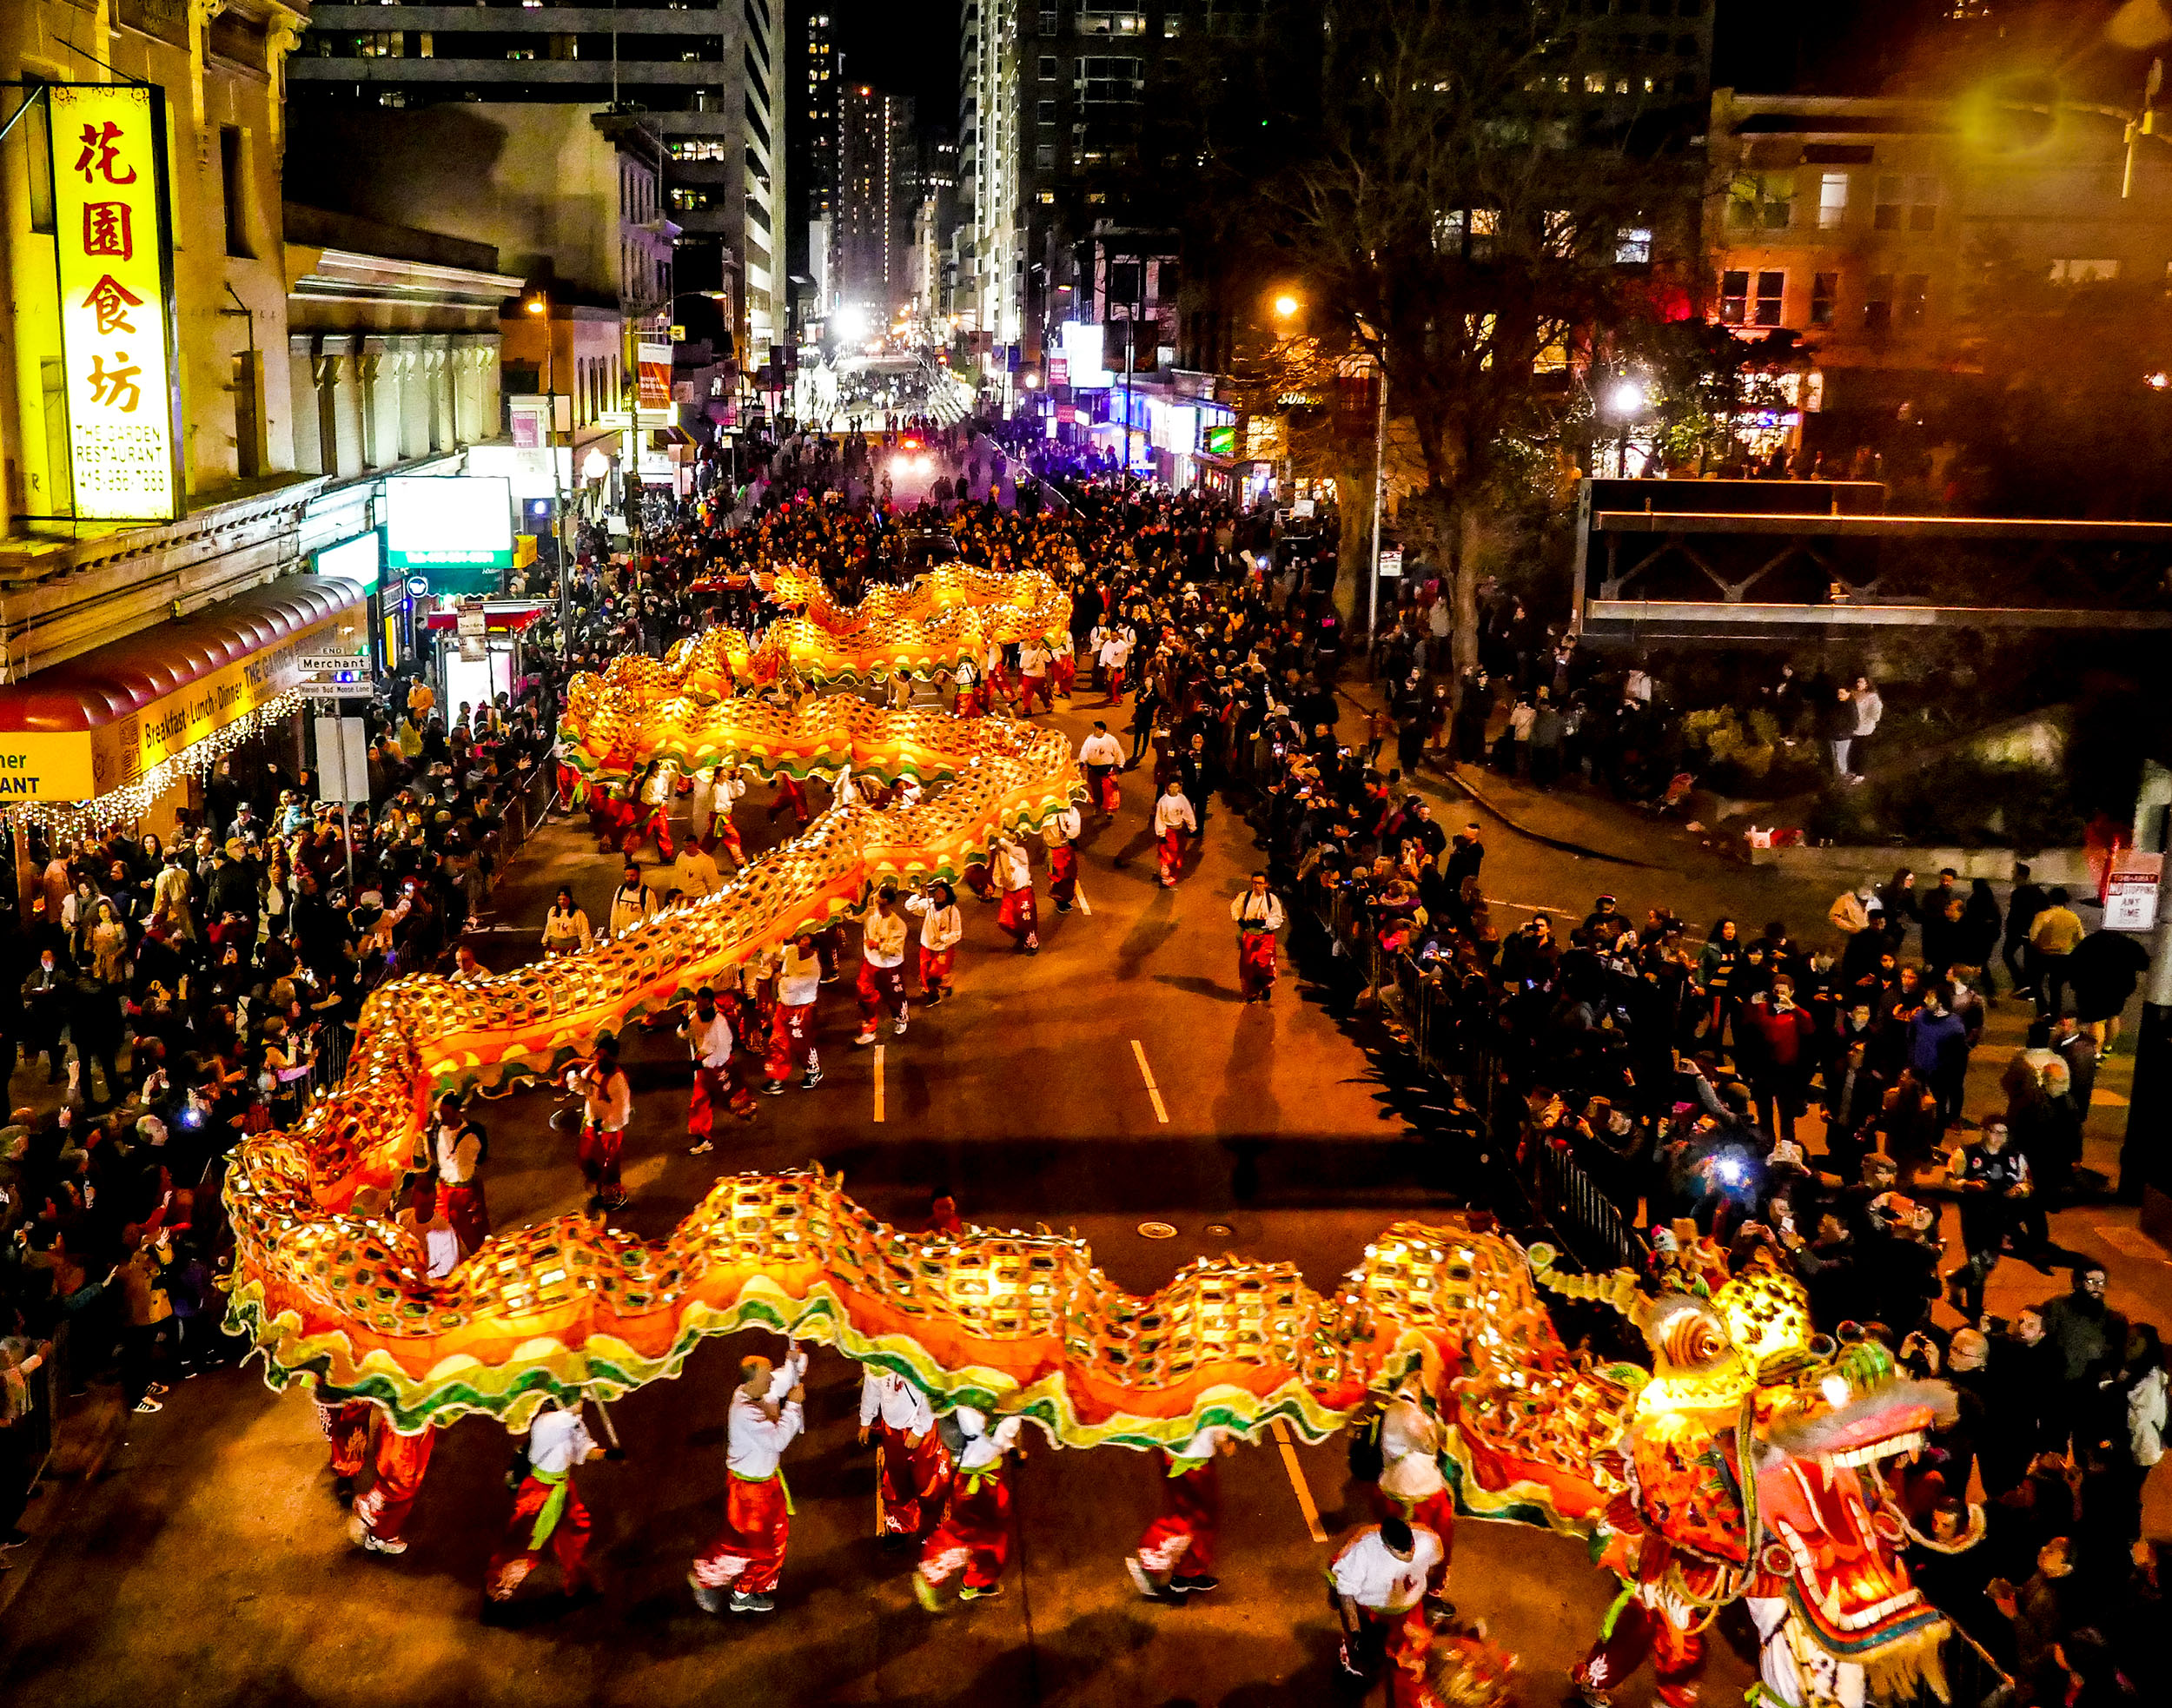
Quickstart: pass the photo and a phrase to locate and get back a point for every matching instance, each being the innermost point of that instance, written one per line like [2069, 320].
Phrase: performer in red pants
[1411, 1486]
[915, 1467]
[1176, 1551]
[882, 980]
[398, 1463]
[709, 1040]
[548, 1511]
[346, 1426]
[974, 1535]
[748, 1555]
[1014, 873]
[1058, 833]
[791, 1020]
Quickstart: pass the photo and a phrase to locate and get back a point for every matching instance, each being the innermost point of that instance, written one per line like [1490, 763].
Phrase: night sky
[908, 49]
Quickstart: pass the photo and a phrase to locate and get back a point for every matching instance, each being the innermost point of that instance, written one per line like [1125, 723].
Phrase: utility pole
[1380, 494]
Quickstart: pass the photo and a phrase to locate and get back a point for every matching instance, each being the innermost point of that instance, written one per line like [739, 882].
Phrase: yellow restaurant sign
[115, 256]
[82, 765]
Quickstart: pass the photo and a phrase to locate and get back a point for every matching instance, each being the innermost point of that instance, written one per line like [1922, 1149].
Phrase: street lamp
[540, 306]
[1286, 306]
[1625, 400]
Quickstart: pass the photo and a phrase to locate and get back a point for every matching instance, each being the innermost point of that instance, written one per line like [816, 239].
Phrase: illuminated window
[2083, 272]
[1832, 200]
[1594, 83]
[1632, 245]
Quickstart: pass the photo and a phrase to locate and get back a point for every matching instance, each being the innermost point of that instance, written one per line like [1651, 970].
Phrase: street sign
[327, 663]
[365, 688]
[2130, 894]
[1391, 560]
[471, 622]
[418, 586]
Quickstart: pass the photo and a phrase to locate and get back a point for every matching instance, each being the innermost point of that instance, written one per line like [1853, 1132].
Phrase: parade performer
[1102, 754]
[1034, 660]
[974, 1534]
[967, 703]
[1647, 1621]
[789, 794]
[632, 903]
[1014, 873]
[710, 1041]
[606, 1108]
[1175, 1554]
[1258, 913]
[346, 1428]
[1058, 833]
[546, 1508]
[1377, 1580]
[724, 830]
[942, 928]
[397, 1466]
[654, 812]
[883, 967]
[792, 1021]
[1063, 666]
[748, 1555]
[462, 1147]
[913, 1467]
[1172, 818]
[1411, 1486]
[701, 806]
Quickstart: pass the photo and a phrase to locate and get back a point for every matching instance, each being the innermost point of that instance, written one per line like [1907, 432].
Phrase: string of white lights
[74, 820]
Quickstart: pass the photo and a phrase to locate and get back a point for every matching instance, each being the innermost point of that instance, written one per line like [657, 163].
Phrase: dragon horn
[1619, 1289]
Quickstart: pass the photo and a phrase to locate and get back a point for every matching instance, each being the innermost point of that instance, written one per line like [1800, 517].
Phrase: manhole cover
[1157, 1230]
[1221, 1230]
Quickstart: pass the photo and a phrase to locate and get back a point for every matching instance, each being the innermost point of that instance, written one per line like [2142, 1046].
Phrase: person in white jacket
[1102, 756]
[1059, 832]
[1173, 820]
[911, 1464]
[1012, 869]
[1258, 914]
[747, 1556]
[974, 1535]
[942, 928]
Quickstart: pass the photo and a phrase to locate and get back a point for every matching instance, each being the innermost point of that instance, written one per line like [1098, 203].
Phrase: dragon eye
[1690, 1339]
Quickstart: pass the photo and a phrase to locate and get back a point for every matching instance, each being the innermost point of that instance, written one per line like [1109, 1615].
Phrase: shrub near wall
[1957, 801]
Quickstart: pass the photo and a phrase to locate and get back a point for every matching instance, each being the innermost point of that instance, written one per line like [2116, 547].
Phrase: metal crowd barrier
[1597, 1232]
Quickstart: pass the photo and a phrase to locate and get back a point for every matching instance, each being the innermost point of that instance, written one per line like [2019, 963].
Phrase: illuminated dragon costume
[1743, 1466]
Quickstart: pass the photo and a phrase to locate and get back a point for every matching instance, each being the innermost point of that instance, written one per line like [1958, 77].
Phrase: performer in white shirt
[1172, 816]
[791, 1024]
[1034, 659]
[607, 1109]
[974, 1534]
[942, 928]
[710, 1041]
[883, 968]
[1058, 832]
[1102, 756]
[1258, 913]
[1175, 1554]
[1411, 1486]
[1064, 662]
[748, 1555]
[546, 1509]
[1379, 1586]
[1014, 877]
[461, 1148]
[911, 1465]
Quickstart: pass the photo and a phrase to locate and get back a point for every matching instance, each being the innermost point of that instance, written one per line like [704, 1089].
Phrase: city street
[204, 1545]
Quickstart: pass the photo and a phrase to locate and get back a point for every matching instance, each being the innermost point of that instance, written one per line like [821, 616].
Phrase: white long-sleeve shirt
[1249, 909]
[882, 940]
[1410, 1445]
[757, 1441]
[709, 1040]
[1100, 749]
[941, 928]
[1013, 870]
[1373, 1578]
[984, 1446]
[558, 1441]
[1170, 812]
[895, 1400]
[1063, 828]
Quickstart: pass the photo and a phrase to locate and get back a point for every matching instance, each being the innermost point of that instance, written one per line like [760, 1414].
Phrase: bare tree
[1468, 223]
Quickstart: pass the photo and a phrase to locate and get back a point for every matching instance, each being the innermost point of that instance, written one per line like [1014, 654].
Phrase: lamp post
[1625, 402]
[540, 306]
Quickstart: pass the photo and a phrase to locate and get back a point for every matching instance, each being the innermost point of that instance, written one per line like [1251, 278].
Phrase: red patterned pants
[398, 1465]
[975, 1533]
[748, 1554]
[1181, 1540]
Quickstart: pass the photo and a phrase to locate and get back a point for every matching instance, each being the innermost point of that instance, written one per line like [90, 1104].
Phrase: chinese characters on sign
[114, 315]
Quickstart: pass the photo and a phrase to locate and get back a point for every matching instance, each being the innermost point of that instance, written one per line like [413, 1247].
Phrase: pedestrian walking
[798, 972]
[1173, 819]
[881, 982]
[942, 928]
[710, 1041]
[1058, 832]
[1013, 873]
[548, 1509]
[607, 1109]
[1258, 914]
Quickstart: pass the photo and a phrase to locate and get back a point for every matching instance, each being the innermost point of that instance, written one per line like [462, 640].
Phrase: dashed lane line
[1305, 1503]
[1161, 1110]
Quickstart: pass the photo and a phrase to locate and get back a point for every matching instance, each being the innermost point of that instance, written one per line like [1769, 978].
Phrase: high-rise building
[810, 136]
[710, 83]
[1069, 111]
[871, 228]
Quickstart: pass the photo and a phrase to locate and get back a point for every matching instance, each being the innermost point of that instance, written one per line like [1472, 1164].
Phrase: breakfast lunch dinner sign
[115, 254]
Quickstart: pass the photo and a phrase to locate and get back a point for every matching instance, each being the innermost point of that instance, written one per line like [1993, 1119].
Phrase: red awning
[108, 681]
[497, 618]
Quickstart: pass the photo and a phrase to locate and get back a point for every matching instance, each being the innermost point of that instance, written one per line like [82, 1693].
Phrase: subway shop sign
[82, 765]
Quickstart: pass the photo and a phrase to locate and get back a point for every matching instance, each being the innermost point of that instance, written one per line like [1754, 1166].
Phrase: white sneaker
[864, 1038]
[897, 1026]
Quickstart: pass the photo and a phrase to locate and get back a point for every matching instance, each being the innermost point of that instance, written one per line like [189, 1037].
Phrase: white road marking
[879, 1082]
[1084, 906]
[1305, 1503]
[1161, 1111]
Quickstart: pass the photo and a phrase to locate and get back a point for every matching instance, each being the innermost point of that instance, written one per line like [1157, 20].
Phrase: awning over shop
[102, 719]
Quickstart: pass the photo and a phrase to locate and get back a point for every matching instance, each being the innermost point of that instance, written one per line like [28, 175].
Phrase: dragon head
[1758, 1452]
